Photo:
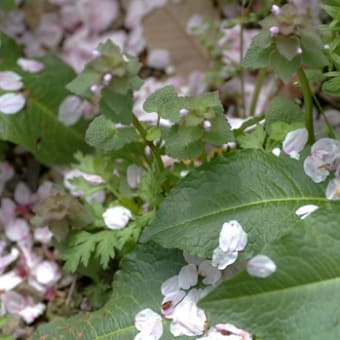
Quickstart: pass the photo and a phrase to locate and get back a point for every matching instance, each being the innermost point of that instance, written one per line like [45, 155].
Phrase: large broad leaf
[301, 299]
[135, 287]
[259, 190]
[37, 127]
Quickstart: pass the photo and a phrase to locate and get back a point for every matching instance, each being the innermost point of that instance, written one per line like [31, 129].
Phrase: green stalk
[258, 86]
[308, 101]
[139, 127]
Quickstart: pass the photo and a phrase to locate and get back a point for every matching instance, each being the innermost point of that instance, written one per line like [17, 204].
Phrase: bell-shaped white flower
[30, 65]
[187, 276]
[11, 103]
[117, 217]
[10, 81]
[261, 266]
[149, 325]
[294, 142]
[210, 273]
[306, 210]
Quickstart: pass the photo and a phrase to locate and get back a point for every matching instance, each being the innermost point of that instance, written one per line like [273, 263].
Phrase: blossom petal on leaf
[70, 110]
[149, 324]
[232, 237]
[10, 81]
[222, 259]
[306, 210]
[30, 65]
[170, 285]
[11, 103]
[261, 266]
[187, 276]
[210, 273]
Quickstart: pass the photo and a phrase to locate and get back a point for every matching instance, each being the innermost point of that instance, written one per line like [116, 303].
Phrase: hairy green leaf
[259, 190]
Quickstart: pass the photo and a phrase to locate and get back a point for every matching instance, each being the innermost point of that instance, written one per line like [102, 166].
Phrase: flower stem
[139, 127]
[307, 98]
[258, 86]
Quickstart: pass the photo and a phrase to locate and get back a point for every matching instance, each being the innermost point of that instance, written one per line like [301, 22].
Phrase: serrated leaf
[135, 286]
[259, 190]
[282, 110]
[184, 142]
[37, 127]
[258, 54]
[103, 134]
[252, 140]
[165, 102]
[279, 130]
[300, 300]
[284, 68]
[220, 132]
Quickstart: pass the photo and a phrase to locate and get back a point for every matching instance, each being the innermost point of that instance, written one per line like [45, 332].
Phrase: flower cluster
[324, 159]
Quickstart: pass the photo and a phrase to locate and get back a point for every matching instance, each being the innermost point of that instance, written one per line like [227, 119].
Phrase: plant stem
[307, 98]
[139, 127]
[258, 86]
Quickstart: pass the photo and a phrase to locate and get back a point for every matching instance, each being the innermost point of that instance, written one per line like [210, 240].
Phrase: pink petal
[70, 110]
[9, 281]
[261, 266]
[187, 276]
[10, 81]
[47, 272]
[22, 194]
[43, 235]
[30, 313]
[158, 58]
[17, 230]
[11, 103]
[30, 65]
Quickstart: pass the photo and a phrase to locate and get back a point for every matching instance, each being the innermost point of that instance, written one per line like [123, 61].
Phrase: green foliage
[282, 110]
[282, 67]
[37, 127]
[299, 301]
[123, 69]
[135, 286]
[82, 246]
[260, 190]
[331, 86]
[103, 134]
[117, 107]
[253, 140]
[7, 5]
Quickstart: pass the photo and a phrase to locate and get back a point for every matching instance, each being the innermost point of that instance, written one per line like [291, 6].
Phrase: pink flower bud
[107, 78]
[274, 30]
[183, 112]
[275, 9]
[96, 53]
[95, 88]
[299, 51]
[207, 125]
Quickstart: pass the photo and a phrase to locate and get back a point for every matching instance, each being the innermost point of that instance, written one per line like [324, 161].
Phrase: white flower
[232, 240]
[9, 280]
[324, 155]
[294, 142]
[333, 189]
[306, 210]
[211, 274]
[187, 318]
[17, 230]
[276, 152]
[11, 103]
[15, 303]
[43, 235]
[261, 266]
[187, 276]
[47, 272]
[8, 259]
[30, 65]
[117, 217]
[10, 81]
[149, 325]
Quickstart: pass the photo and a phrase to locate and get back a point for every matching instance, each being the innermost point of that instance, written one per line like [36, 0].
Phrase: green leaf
[7, 5]
[37, 127]
[117, 107]
[282, 67]
[258, 54]
[312, 48]
[220, 132]
[279, 130]
[300, 300]
[282, 110]
[153, 133]
[287, 46]
[331, 86]
[136, 286]
[103, 134]
[259, 190]
[184, 142]
[253, 140]
[165, 102]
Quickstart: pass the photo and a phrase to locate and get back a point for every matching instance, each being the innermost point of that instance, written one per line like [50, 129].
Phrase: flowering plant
[163, 207]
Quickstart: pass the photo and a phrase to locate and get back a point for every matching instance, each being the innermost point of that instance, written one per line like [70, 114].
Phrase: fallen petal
[306, 210]
[11, 103]
[30, 65]
[261, 266]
